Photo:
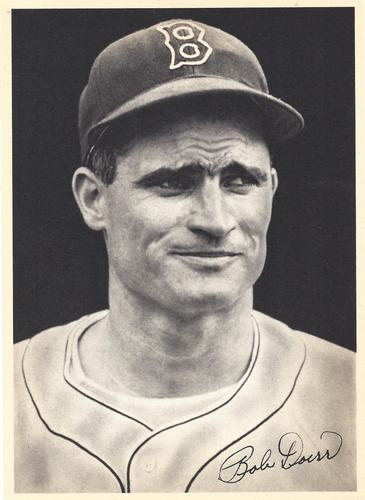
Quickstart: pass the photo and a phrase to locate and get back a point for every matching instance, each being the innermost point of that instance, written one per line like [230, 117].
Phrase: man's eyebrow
[236, 167]
[169, 172]
[196, 168]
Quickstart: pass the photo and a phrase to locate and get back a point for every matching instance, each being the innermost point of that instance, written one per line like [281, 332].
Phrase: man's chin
[200, 300]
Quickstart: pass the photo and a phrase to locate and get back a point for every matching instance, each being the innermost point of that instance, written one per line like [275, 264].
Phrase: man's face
[188, 212]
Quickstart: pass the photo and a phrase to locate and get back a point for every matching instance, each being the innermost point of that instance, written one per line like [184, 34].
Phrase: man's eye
[239, 184]
[174, 185]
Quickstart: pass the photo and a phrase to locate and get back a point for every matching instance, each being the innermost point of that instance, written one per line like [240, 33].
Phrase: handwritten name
[290, 448]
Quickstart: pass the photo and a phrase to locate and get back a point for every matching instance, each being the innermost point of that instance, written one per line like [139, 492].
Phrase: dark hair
[114, 141]
[117, 139]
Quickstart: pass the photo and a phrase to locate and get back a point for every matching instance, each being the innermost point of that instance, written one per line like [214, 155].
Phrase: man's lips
[206, 260]
[206, 254]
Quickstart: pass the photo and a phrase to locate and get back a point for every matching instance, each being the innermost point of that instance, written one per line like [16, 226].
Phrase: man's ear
[274, 180]
[89, 193]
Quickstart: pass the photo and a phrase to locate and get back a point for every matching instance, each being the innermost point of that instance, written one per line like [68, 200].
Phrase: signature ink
[290, 447]
[236, 466]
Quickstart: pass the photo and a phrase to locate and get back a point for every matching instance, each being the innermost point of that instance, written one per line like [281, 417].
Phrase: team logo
[186, 43]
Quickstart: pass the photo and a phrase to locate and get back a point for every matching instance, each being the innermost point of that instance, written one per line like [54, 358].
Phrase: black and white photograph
[184, 243]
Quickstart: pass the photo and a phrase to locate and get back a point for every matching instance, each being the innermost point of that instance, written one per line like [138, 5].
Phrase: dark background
[60, 268]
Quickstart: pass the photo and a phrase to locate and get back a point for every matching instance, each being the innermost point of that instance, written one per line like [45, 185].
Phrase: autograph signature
[290, 447]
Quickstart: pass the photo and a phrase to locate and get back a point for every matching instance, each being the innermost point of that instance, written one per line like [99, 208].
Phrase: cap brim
[283, 121]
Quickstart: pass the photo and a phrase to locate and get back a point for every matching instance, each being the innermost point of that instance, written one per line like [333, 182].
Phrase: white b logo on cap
[185, 40]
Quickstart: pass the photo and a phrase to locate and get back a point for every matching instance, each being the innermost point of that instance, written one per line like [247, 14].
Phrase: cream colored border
[5, 110]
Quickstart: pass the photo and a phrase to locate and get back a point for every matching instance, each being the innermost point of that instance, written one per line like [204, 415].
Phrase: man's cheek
[255, 223]
[259, 217]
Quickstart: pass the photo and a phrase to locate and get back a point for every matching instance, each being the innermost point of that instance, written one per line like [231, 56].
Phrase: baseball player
[180, 386]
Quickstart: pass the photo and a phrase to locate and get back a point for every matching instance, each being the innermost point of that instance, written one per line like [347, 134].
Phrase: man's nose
[210, 214]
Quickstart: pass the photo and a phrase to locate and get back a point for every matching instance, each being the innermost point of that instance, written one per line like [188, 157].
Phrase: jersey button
[149, 466]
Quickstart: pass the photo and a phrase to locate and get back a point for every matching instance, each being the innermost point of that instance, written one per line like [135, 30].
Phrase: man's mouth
[206, 254]
[207, 260]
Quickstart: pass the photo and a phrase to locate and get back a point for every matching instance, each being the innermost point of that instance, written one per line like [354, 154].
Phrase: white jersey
[289, 424]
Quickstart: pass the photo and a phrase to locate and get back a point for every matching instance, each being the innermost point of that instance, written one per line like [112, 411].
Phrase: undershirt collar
[155, 412]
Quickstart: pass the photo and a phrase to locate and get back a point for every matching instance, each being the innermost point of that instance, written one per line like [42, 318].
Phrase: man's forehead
[205, 143]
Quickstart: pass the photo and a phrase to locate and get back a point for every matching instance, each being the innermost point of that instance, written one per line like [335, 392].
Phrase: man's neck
[142, 350]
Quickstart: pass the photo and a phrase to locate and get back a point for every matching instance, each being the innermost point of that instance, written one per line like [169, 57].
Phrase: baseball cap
[174, 59]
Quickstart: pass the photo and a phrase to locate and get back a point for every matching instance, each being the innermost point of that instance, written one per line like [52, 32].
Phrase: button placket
[145, 467]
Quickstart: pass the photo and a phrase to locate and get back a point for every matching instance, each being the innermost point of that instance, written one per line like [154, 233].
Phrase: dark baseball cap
[170, 60]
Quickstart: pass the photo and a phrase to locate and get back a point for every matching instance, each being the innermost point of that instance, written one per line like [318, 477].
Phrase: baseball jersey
[288, 424]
